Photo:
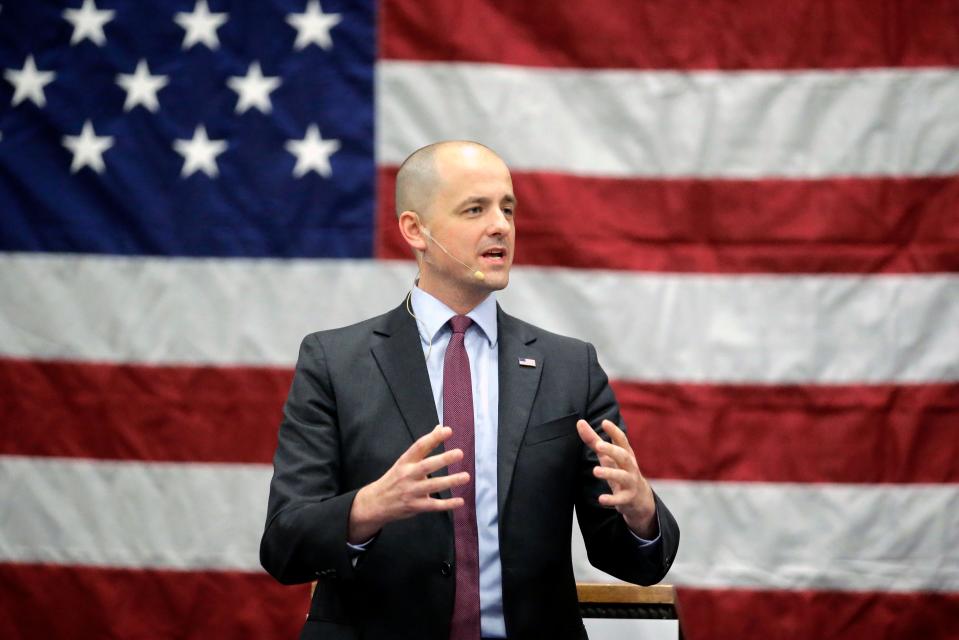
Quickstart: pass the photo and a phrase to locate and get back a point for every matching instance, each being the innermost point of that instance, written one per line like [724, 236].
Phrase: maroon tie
[458, 415]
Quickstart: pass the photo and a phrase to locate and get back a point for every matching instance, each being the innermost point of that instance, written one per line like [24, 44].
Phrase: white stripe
[687, 328]
[194, 516]
[782, 536]
[765, 329]
[654, 123]
[165, 311]
[122, 514]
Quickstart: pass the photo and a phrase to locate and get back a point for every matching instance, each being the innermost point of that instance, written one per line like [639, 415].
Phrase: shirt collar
[432, 315]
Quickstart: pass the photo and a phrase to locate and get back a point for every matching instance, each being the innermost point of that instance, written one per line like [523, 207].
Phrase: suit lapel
[517, 389]
[397, 351]
[396, 348]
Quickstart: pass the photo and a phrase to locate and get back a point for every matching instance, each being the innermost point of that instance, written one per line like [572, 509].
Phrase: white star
[199, 153]
[29, 82]
[200, 25]
[253, 90]
[313, 26]
[87, 149]
[88, 22]
[141, 87]
[312, 153]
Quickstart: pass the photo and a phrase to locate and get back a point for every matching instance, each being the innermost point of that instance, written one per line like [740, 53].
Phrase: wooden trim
[602, 593]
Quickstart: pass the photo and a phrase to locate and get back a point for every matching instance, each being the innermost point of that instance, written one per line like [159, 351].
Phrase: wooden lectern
[628, 601]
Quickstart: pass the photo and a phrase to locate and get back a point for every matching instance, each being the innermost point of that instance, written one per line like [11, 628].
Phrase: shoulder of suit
[351, 331]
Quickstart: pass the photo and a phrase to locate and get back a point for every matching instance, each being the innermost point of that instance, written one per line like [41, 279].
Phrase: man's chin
[494, 281]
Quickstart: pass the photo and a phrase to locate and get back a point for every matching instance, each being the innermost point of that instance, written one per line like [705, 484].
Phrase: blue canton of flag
[187, 127]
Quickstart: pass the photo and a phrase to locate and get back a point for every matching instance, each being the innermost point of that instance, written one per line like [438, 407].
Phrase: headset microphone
[479, 275]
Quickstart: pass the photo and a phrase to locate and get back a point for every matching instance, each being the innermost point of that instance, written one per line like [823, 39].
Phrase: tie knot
[460, 323]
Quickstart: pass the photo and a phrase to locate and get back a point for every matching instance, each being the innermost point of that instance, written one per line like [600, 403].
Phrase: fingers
[626, 458]
[619, 456]
[436, 504]
[616, 500]
[617, 435]
[586, 434]
[442, 483]
[600, 446]
[437, 462]
[615, 476]
[422, 447]
[618, 467]
[606, 461]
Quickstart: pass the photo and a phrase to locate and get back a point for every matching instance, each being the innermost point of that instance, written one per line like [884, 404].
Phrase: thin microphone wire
[409, 310]
[477, 273]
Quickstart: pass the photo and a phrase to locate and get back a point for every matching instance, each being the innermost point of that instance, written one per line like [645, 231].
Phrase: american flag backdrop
[750, 208]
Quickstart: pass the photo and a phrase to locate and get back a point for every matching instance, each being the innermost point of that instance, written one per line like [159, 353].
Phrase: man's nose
[500, 224]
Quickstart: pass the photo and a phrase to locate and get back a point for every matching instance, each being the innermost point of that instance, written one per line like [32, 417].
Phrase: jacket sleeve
[307, 515]
[610, 545]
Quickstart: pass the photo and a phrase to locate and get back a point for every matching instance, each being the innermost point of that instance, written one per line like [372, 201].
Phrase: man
[414, 530]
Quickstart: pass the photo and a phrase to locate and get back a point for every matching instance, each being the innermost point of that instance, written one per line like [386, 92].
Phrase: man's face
[471, 214]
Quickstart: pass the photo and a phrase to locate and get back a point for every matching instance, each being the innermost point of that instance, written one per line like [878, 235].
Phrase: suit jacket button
[446, 569]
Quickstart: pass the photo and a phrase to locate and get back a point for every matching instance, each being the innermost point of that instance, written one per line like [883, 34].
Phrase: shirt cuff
[361, 547]
[643, 542]
[354, 551]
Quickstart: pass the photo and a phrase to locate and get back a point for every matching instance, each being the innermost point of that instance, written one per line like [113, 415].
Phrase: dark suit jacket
[360, 397]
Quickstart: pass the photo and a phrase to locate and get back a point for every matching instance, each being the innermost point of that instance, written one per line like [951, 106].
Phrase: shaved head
[454, 208]
[421, 173]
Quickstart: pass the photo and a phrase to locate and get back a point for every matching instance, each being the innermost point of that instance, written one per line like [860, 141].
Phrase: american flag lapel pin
[527, 362]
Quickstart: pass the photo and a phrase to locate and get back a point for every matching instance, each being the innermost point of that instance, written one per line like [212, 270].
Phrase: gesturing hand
[631, 494]
[405, 489]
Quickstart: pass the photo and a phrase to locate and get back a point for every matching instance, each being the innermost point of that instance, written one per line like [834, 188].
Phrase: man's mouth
[495, 255]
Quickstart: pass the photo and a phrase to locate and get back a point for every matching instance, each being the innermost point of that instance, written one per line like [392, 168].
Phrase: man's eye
[508, 211]
[477, 209]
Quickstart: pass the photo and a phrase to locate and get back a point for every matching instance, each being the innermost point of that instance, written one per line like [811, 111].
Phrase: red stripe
[43, 601]
[839, 225]
[138, 412]
[740, 614]
[686, 34]
[48, 601]
[799, 433]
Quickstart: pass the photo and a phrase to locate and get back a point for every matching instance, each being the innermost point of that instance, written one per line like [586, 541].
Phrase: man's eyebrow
[473, 199]
[510, 198]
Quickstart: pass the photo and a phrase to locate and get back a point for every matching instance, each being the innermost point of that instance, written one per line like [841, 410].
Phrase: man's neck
[432, 314]
[459, 300]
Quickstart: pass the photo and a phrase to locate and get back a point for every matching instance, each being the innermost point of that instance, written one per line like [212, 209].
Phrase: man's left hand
[631, 494]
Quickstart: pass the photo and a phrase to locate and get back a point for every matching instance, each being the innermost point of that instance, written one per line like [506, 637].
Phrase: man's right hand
[405, 489]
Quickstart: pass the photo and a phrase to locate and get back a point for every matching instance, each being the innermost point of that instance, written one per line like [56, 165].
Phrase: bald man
[430, 459]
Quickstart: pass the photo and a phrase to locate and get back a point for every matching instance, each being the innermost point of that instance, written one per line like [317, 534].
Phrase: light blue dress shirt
[481, 347]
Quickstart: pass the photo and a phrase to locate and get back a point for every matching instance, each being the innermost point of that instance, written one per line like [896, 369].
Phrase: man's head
[457, 196]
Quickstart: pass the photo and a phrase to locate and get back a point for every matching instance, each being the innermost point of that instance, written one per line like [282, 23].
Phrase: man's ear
[412, 230]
